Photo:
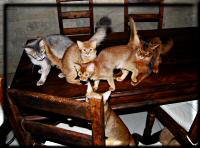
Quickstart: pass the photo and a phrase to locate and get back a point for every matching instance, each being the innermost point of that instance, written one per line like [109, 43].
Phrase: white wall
[27, 22]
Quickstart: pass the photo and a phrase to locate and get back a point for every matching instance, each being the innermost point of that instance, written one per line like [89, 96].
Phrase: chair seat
[183, 113]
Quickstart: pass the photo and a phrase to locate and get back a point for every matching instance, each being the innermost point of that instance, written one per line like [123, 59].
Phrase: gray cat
[58, 44]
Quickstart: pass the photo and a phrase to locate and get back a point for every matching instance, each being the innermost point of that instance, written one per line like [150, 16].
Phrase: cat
[150, 57]
[121, 57]
[77, 53]
[58, 44]
[37, 55]
[116, 132]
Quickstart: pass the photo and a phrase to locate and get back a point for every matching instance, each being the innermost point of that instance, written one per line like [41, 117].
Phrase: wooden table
[177, 80]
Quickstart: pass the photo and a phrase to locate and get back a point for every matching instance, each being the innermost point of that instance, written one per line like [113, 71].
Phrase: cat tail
[54, 60]
[167, 46]
[134, 40]
[102, 27]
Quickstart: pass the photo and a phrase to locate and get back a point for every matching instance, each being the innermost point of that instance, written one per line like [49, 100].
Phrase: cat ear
[93, 44]
[27, 49]
[154, 46]
[80, 44]
[42, 43]
[106, 96]
[89, 88]
[91, 67]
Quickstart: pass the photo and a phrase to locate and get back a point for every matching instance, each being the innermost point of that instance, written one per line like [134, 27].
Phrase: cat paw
[111, 89]
[134, 80]
[95, 88]
[61, 75]
[40, 71]
[119, 79]
[39, 83]
[155, 70]
[134, 83]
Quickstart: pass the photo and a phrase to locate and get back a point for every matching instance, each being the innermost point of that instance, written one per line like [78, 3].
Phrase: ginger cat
[150, 57]
[115, 130]
[121, 57]
[77, 53]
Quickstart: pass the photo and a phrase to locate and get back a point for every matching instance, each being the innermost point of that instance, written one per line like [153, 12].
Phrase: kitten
[82, 52]
[37, 55]
[121, 57]
[150, 57]
[115, 130]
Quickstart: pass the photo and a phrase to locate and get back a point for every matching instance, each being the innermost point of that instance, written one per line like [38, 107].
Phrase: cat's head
[34, 51]
[88, 50]
[146, 50]
[91, 94]
[85, 71]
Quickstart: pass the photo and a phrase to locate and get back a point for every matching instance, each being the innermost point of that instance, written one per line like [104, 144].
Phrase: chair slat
[75, 14]
[78, 30]
[69, 0]
[145, 17]
[64, 106]
[60, 135]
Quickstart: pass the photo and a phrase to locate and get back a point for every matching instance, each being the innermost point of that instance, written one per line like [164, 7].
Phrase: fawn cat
[58, 44]
[121, 57]
[115, 130]
[81, 52]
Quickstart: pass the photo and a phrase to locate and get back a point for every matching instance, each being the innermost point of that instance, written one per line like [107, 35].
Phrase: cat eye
[86, 74]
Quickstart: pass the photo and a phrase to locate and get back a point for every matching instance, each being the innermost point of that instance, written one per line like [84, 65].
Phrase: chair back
[75, 15]
[144, 17]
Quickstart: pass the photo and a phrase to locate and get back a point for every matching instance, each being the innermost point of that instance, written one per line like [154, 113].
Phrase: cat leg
[61, 75]
[113, 142]
[96, 84]
[45, 69]
[123, 76]
[131, 67]
[144, 75]
[71, 77]
[40, 71]
[156, 65]
[134, 75]
[111, 83]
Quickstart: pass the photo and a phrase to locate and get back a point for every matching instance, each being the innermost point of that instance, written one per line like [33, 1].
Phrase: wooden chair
[29, 126]
[144, 17]
[64, 15]
[184, 137]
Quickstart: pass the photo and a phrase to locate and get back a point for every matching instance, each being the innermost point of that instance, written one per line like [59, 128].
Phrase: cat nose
[83, 82]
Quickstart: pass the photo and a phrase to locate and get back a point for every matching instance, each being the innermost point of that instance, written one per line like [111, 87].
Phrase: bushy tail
[134, 38]
[54, 60]
[167, 45]
[102, 26]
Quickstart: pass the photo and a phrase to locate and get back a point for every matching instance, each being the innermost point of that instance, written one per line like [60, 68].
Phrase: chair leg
[147, 138]
[149, 124]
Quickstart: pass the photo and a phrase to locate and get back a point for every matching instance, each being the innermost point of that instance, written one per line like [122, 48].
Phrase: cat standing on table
[49, 50]
[37, 55]
[121, 57]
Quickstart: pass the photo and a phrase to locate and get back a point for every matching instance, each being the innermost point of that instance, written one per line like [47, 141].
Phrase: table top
[176, 81]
